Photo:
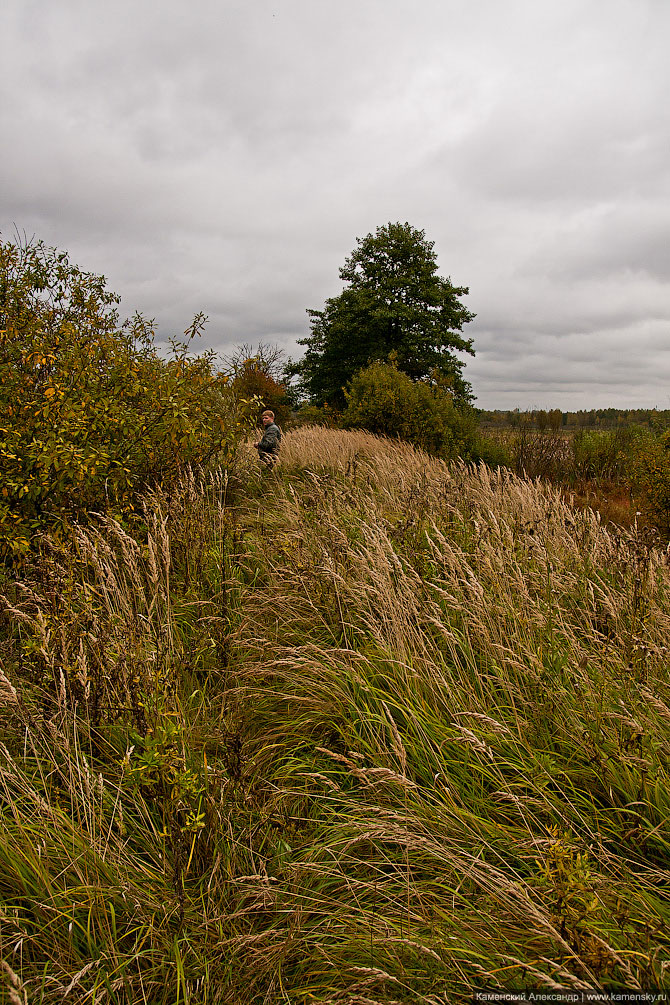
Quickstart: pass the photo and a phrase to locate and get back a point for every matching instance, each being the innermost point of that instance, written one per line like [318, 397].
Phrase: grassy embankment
[365, 729]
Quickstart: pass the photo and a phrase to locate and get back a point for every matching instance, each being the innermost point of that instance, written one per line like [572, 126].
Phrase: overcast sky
[224, 156]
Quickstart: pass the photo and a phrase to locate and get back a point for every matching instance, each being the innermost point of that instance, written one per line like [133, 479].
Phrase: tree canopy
[257, 380]
[394, 303]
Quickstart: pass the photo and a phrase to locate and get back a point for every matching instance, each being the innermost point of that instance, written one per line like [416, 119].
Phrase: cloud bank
[225, 156]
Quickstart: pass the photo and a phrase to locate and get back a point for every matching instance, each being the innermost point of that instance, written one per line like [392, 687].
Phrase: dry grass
[469, 632]
[377, 729]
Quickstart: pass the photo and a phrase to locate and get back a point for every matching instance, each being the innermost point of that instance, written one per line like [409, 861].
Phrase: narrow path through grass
[364, 729]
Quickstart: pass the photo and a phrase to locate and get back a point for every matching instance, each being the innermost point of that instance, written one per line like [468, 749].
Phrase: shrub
[607, 454]
[90, 411]
[317, 415]
[651, 474]
[539, 453]
[490, 451]
[383, 399]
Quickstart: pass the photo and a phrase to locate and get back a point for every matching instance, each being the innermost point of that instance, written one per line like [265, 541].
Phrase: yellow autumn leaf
[50, 391]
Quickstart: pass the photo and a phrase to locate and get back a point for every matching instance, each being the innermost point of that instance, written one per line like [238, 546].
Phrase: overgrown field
[623, 472]
[368, 728]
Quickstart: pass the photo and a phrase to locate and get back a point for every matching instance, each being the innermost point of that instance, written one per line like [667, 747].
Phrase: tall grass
[365, 728]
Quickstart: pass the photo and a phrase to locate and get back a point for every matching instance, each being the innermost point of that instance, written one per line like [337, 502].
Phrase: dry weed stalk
[16, 989]
[432, 701]
[457, 592]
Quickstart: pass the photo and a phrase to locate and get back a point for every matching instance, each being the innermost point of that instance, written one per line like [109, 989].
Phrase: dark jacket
[271, 437]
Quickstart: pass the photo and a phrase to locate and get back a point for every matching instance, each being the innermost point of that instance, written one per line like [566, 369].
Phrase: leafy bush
[90, 411]
[317, 415]
[490, 451]
[607, 454]
[595, 453]
[384, 400]
[651, 475]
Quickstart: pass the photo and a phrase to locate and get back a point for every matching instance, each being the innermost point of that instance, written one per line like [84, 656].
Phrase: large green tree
[394, 303]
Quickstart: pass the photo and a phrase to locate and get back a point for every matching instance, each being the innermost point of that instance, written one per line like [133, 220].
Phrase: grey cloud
[224, 157]
[550, 371]
[630, 238]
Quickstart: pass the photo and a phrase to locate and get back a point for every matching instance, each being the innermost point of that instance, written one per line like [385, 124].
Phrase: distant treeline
[600, 418]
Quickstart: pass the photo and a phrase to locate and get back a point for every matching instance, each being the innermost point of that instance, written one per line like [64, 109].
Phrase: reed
[366, 728]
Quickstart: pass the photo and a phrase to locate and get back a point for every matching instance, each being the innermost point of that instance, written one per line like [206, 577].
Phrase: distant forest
[600, 418]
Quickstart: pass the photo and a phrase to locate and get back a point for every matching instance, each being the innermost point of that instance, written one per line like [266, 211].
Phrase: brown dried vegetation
[365, 728]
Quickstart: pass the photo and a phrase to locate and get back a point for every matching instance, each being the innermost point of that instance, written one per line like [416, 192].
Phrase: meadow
[623, 472]
[369, 728]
